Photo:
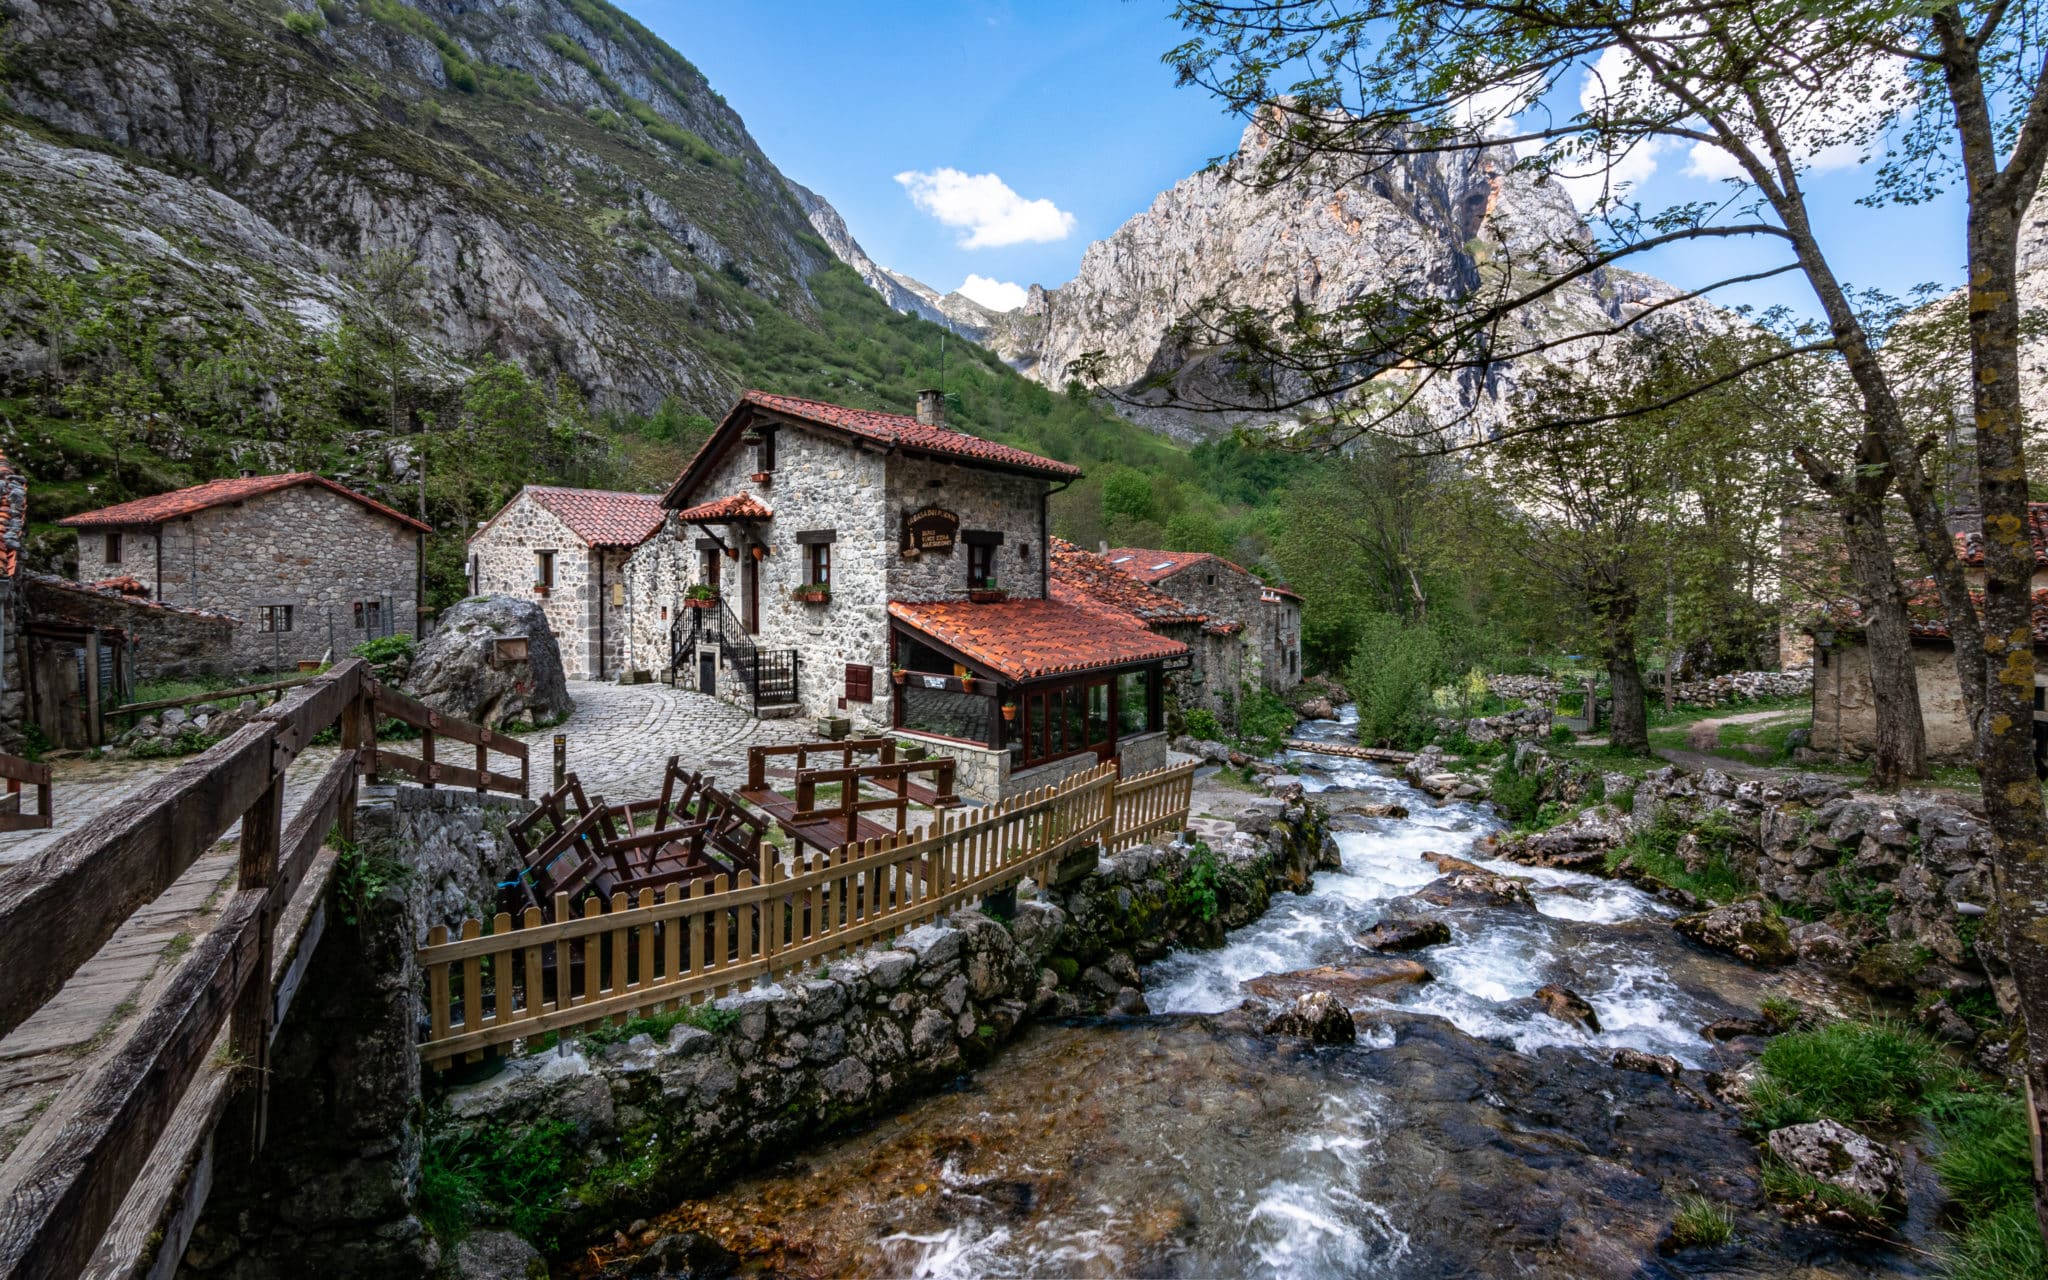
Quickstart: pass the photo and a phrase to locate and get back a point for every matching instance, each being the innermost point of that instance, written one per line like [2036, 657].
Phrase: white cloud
[983, 204]
[996, 295]
[1492, 110]
[1588, 181]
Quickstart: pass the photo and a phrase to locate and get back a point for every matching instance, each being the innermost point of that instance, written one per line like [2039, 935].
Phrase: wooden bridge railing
[424, 768]
[96, 1190]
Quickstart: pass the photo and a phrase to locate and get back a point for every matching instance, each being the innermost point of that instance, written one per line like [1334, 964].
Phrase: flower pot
[763, 477]
[987, 595]
[697, 602]
[1009, 711]
[899, 676]
[811, 597]
[539, 590]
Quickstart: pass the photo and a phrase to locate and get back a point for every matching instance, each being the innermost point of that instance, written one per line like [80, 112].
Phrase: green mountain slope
[520, 240]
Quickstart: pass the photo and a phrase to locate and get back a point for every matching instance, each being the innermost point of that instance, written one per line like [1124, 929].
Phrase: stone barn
[567, 549]
[307, 567]
[1253, 630]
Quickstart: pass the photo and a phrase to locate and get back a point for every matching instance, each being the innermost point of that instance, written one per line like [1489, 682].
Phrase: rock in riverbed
[1317, 1017]
[1567, 1006]
[1838, 1155]
[1465, 884]
[1748, 930]
[1349, 984]
[1405, 935]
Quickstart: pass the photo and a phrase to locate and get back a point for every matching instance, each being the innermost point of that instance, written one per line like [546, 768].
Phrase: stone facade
[587, 606]
[1253, 634]
[1845, 702]
[345, 571]
[1280, 640]
[162, 641]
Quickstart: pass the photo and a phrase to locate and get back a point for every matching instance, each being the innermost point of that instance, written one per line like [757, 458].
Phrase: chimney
[931, 408]
[248, 473]
[1102, 547]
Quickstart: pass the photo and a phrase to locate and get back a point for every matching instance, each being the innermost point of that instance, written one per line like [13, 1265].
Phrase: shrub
[1391, 677]
[521, 1175]
[189, 740]
[1561, 736]
[305, 24]
[1513, 794]
[1196, 892]
[1201, 723]
[1263, 722]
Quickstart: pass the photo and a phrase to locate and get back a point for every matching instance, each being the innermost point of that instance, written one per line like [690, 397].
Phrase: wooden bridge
[1350, 751]
[115, 1185]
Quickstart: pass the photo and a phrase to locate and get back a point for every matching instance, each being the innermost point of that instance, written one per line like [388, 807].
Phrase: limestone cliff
[1433, 225]
[568, 183]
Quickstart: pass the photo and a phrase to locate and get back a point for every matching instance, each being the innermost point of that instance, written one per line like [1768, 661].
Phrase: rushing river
[1467, 1133]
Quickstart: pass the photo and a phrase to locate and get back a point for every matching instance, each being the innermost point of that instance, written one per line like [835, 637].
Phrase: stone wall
[332, 1193]
[1226, 594]
[1279, 624]
[985, 501]
[649, 1118]
[1530, 722]
[502, 560]
[164, 642]
[1714, 691]
[307, 547]
[1845, 702]
[820, 483]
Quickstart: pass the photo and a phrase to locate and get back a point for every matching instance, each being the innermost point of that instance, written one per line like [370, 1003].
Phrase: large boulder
[1748, 930]
[1394, 934]
[1317, 1017]
[1351, 984]
[463, 671]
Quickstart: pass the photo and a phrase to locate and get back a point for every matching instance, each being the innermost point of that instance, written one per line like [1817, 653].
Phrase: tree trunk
[2005, 738]
[1901, 734]
[1630, 727]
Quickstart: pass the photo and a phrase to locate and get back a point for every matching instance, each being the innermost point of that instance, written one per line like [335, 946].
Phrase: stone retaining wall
[764, 1074]
[1530, 722]
[1714, 691]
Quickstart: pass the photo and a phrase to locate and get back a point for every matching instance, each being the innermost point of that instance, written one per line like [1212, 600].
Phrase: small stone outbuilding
[1253, 629]
[567, 549]
[308, 567]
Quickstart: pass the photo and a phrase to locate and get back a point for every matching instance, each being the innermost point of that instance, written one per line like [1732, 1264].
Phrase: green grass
[1654, 851]
[2005, 1245]
[658, 1025]
[1785, 1184]
[1701, 1221]
[1860, 1073]
[520, 1175]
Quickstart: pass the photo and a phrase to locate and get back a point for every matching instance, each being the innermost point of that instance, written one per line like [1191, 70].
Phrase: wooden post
[92, 688]
[354, 719]
[249, 1024]
[561, 759]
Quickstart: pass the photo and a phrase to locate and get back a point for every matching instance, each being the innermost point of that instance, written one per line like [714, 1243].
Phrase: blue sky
[1067, 105]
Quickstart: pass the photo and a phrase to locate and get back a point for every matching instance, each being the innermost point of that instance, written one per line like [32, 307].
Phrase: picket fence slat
[702, 940]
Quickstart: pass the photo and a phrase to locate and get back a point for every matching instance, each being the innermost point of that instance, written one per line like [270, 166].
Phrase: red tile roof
[1225, 628]
[1151, 566]
[1086, 581]
[215, 493]
[1970, 544]
[1925, 617]
[740, 506]
[892, 429]
[100, 591]
[1282, 589]
[603, 518]
[1032, 639]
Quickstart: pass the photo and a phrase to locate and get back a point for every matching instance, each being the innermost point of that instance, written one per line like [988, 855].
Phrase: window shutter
[860, 683]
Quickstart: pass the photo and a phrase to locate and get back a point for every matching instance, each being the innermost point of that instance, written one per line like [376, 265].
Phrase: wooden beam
[54, 1211]
[306, 713]
[58, 908]
[217, 695]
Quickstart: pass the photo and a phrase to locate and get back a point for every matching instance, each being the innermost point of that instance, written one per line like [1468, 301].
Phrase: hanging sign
[932, 529]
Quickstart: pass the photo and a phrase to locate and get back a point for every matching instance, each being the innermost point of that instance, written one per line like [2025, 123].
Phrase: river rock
[458, 673]
[1349, 984]
[1655, 1064]
[1450, 863]
[1318, 1017]
[1567, 1006]
[1476, 888]
[496, 1255]
[1721, 1029]
[1838, 1155]
[1823, 944]
[1316, 709]
[1748, 930]
[1377, 810]
[1405, 935]
[1578, 845]
[1891, 967]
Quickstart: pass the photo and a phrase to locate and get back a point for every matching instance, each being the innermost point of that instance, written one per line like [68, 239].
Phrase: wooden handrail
[217, 695]
[58, 909]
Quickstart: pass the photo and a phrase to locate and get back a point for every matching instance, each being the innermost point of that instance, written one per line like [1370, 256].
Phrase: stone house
[1087, 581]
[1254, 629]
[569, 548]
[1844, 700]
[888, 569]
[307, 567]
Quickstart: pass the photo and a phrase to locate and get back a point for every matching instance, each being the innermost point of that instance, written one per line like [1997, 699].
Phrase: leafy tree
[1937, 91]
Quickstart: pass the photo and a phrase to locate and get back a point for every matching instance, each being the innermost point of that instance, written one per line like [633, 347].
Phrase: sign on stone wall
[931, 529]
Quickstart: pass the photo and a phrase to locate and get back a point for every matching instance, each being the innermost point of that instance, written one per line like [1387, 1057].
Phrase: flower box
[763, 477]
[811, 595]
[700, 602]
[539, 590]
[987, 595]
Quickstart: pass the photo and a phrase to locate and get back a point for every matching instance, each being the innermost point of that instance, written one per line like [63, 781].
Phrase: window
[113, 548]
[275, 617]
[764, 451]
[981, 565]
[544, 569]
[369, 615]
[860, 683]
[818, 566]
[707, 567]
[1133, 702]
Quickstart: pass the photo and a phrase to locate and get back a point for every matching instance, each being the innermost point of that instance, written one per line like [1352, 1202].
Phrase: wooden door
[57, 689]
[750, 580]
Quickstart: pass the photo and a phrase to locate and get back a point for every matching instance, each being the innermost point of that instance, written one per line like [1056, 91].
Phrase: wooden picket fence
[685, 943]
[1151, 805]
